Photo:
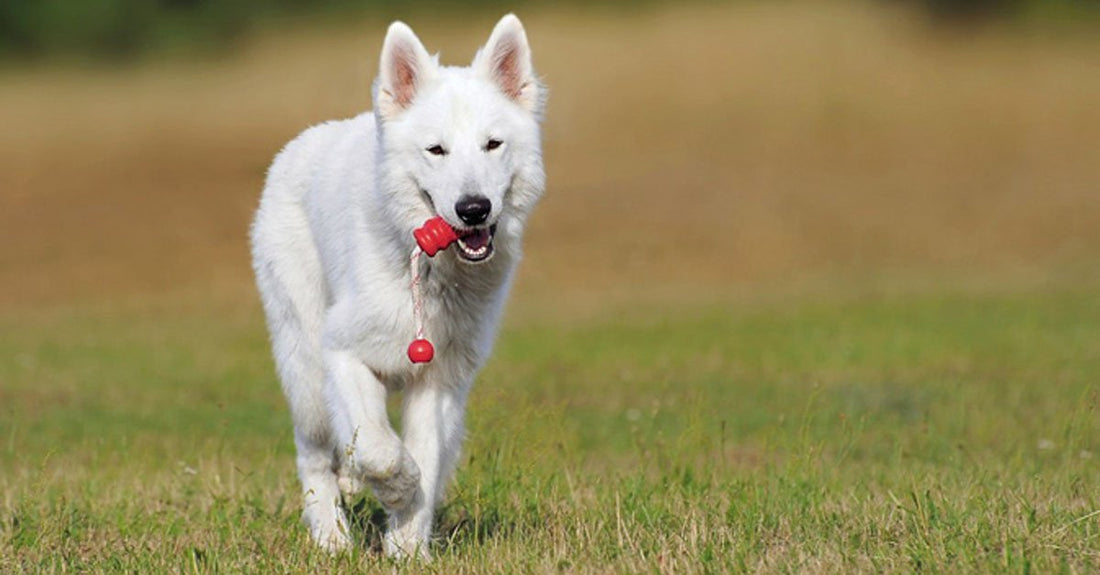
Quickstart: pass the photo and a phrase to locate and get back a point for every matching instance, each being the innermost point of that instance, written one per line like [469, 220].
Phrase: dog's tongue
[476, 239]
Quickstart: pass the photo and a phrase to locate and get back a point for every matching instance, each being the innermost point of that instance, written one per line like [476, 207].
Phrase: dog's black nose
[473, 209]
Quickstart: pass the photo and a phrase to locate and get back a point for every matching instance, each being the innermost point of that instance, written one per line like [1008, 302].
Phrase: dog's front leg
[433, 425]
[368, 445]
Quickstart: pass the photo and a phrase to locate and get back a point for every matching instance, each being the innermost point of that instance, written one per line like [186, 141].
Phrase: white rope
[418, 302]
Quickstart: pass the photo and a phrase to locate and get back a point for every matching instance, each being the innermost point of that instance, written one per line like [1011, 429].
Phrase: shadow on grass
[460, 524]
[368, 522]
[457, 526]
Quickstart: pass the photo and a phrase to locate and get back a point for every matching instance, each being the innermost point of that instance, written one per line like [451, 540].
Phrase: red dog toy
[435, 235]
[432, 237]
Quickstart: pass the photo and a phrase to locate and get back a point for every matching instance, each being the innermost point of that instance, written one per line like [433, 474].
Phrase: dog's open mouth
[476, 245]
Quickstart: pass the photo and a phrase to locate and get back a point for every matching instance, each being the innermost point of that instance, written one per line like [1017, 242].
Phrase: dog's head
[462, 143]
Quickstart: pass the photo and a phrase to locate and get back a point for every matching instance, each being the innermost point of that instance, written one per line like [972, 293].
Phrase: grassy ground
[924, 432]
[865, 338]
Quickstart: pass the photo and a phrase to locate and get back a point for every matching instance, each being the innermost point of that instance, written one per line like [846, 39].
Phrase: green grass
[945, 432]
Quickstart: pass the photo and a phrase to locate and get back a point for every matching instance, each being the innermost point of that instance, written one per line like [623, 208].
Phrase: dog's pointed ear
[506, 61]
[403, 71]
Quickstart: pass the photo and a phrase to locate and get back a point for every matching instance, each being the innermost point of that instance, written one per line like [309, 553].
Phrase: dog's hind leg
[321, 511]
[299, 366]
[290, 285]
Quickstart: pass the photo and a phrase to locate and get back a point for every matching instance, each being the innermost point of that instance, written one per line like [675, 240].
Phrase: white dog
[331, 247]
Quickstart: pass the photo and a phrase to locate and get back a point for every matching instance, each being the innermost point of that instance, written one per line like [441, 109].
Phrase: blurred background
[695, 150]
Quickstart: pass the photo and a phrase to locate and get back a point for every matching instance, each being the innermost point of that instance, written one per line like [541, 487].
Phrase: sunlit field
[815, 287]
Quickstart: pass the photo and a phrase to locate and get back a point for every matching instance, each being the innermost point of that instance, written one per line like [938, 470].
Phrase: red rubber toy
[435, 235]
[421, 351]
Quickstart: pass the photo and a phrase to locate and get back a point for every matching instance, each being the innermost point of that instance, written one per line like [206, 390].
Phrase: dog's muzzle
[476, 245]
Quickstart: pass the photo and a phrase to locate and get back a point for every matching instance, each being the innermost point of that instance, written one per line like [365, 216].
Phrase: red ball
[421, 351]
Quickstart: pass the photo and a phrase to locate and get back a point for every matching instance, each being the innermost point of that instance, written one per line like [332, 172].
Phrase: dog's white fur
[331, 244]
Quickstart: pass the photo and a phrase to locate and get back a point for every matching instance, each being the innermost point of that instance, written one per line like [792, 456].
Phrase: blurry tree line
[126, 28]
[970, 11]
[123, 28]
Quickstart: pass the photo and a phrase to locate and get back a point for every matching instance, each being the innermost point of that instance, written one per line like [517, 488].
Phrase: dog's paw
[328, 528]
[400, 546]
[332, 541]
[397, 489]
[350, 484]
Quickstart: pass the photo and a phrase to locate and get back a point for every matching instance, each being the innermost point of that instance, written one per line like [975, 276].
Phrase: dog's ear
[506, 61]
[404, 69]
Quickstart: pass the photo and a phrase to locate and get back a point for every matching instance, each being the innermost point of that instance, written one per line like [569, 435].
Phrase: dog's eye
[437, 150]
[492, 144]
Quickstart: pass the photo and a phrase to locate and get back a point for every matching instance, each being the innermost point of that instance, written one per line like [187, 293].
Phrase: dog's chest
[458, 316]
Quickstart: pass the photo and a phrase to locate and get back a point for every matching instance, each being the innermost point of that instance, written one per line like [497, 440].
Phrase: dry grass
[710, 146]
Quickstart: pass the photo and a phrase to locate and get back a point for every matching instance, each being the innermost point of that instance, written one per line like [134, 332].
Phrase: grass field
[937, 432]
[868, 339]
